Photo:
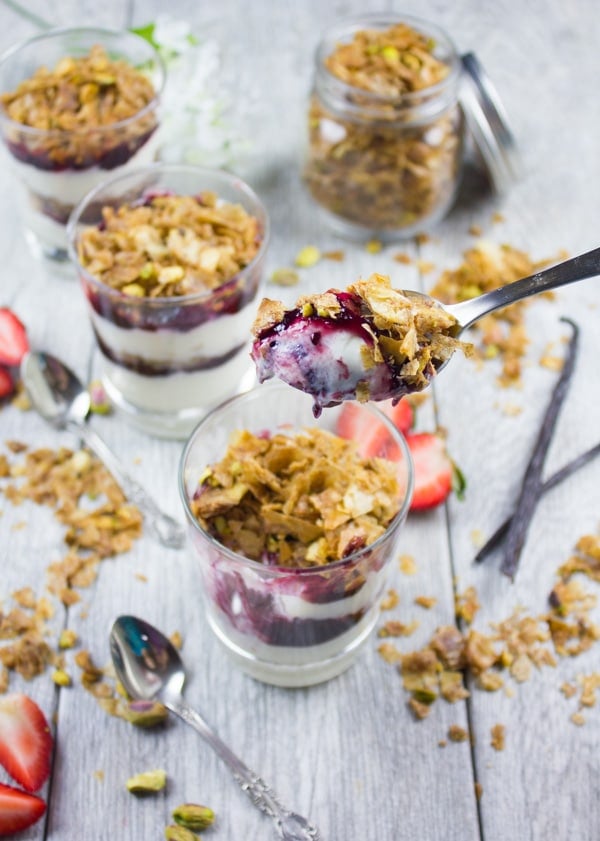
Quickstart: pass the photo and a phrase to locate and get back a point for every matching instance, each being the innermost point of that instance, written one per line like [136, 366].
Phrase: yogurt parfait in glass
[171, 260]
[77, 106]
[294, 531]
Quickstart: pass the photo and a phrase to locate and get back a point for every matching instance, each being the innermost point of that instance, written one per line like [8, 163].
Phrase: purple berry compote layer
[369, 342]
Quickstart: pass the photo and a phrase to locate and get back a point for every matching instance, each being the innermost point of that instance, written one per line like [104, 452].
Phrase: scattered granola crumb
[475, 230]
[497, 217]
[176, 640]
[391, 600]
[425, 266]
[578, 719]
[426, 601]
[99, 775]
[141, 577]
[373, 246]
[420, 709]
[442, 743]
[456, 733]
[407, 565]
[338, 256]
[511, 410]
[389, 653]
[467, 605]
[422, 238]
[393, 628]
[402, 257]
[478, 790]
[568, 689]
[498, 736]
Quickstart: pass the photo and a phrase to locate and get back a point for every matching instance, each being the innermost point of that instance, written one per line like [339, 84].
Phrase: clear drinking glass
[166, 361]
[288, 626]
[55, 168]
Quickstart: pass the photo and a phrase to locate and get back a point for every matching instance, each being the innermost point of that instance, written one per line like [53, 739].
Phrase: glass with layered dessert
[77, 106]
[295, 530]
[385, 128]
[171, 260]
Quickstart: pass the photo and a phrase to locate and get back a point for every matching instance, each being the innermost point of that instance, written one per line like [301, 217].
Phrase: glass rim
[32, 131]
[233, 181]
[353, 24]
[275, 570]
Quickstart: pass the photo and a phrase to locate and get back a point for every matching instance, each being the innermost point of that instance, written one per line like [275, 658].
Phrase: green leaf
[459, 482]
[146, 32]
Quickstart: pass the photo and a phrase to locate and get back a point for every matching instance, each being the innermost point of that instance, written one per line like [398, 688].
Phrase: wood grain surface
[349, 753]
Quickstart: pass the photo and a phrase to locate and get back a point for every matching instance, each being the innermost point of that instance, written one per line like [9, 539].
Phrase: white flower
[197, 105]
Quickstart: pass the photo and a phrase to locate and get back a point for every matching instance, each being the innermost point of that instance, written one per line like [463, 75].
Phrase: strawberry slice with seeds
[357, 424]
[25, 741]
[7, 386]
[436, 475]
[18, 810]
[14, 343]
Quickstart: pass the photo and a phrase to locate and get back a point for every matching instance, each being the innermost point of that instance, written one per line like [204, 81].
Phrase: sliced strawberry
[401, 415]
[357, 423]
[14, 343]
[18, 810]
[25, 741]
[436, 475]
[6, 383]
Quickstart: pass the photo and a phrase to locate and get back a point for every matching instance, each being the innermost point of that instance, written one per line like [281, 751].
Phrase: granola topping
[170, 245]
[373, 160]
[84, 105]
[298, 500]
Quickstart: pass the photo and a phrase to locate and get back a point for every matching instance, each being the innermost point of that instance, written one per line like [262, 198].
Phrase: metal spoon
[149, 666]
[64, 402]
[577, 268]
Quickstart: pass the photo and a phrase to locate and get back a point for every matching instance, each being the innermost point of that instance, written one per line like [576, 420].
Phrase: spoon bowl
[150, 667]
[62, 400]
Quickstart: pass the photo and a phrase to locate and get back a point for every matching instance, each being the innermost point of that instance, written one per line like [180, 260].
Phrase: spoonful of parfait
[373, 342]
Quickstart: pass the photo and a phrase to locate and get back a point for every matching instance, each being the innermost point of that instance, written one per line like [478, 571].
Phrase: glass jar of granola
[385, 126]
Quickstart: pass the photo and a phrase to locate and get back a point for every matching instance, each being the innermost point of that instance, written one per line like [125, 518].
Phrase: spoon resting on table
[62, 400]
[150, 667]
[372, 342]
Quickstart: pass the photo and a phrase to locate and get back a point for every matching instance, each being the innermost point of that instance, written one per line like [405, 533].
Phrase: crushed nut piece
[498, 736]
[456, 733]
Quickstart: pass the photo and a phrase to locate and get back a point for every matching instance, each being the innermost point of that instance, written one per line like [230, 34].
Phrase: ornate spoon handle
[290, 826]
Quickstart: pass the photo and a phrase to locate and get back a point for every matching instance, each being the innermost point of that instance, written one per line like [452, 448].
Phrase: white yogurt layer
[211, 339]
[181, 390]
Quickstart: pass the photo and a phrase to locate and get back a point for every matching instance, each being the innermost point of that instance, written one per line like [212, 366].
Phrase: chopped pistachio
[308, 256]
[67, 638]
[285, 277]
[147, 782]
[173, 832]
[193, 816]
[61, 678]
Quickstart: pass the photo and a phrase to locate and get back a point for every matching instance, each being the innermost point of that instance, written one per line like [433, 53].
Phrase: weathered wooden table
[349, 753]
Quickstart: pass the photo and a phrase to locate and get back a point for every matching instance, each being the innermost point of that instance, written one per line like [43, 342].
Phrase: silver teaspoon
[62, 400]
[149, 667]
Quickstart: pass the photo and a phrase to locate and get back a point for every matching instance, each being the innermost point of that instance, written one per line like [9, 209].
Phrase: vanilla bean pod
[550, 483]
[532, 480]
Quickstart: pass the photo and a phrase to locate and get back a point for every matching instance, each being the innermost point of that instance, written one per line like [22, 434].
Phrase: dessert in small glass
[294, 530]
[385, 127]
[171, 259]
[77, 106]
